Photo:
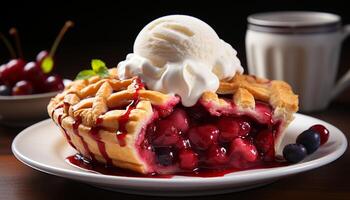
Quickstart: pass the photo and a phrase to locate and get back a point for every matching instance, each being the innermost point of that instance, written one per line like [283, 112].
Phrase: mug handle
[344, 81]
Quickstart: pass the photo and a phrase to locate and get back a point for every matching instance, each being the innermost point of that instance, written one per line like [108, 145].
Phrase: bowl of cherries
[27, 87]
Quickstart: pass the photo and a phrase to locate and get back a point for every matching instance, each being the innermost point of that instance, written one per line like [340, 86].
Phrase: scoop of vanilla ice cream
[181, 55]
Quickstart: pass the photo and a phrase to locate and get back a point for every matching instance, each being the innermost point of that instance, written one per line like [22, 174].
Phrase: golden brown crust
[276, 93]
[244, 98]
[90, 101]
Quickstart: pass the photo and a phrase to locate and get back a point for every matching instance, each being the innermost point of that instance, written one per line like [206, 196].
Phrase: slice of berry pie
[122, 123]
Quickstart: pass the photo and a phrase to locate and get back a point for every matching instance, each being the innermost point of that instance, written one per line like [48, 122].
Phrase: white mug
[301, 48]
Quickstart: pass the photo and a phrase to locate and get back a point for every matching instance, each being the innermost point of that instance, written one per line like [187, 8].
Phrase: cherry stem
[8, 46]
[14, 33]
[59, 37]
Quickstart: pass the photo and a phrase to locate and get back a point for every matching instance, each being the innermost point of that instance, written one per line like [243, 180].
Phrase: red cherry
[231, 128]
[217, 156]
[44, 54]
[322, 131]
[244, 127]
[179, 119]
[54, 83]
[166, 134]
[202, 137]
[242, 149]
[41, 56]
[34, 74]
[12, 72]
[22, 88]
[264, 141]
[31, 71]
[188, 159]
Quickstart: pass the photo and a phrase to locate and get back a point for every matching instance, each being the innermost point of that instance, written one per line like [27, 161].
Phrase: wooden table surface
[17, 181]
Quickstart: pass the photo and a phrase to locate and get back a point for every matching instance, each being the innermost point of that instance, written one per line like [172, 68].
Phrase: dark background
[107, 31]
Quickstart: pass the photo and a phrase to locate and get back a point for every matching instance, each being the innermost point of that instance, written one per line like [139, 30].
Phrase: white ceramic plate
[42, 147]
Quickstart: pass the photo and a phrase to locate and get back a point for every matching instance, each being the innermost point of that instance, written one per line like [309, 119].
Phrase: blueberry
[310, 139]
[294, 153]
[5, 90]
[165, 155]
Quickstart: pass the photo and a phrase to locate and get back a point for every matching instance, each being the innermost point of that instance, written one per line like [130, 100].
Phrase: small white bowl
[24, 110]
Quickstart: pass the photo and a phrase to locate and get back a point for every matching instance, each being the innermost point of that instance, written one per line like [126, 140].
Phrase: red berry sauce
[125, 117]
[79, 161]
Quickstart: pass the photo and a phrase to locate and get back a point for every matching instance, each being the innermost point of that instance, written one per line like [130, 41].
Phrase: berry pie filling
[201, 138]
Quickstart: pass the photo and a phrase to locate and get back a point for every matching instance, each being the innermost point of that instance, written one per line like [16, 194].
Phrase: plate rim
[251, 176]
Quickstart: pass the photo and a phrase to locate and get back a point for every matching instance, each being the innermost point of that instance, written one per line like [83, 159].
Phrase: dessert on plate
[179, 103]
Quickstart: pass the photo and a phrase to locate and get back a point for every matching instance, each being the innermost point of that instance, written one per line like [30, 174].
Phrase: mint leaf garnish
[98, 68]
[47, 64]
[96, 64]
[102, 72]
[85, 74]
